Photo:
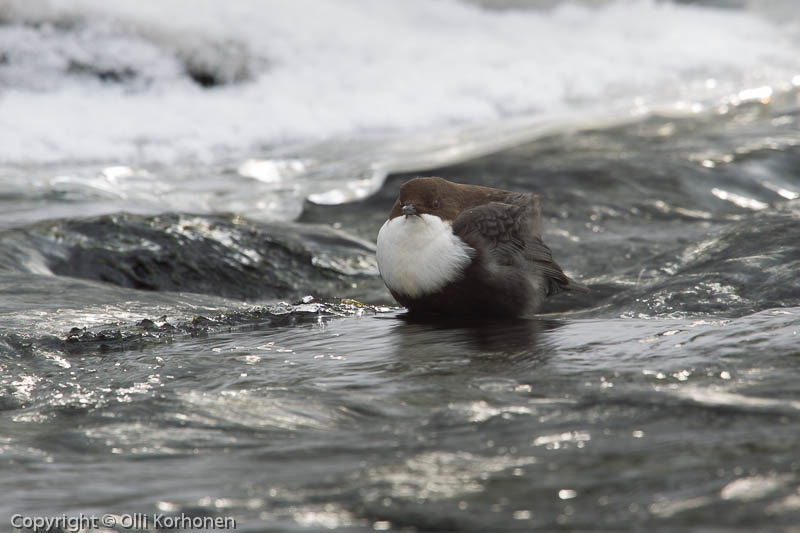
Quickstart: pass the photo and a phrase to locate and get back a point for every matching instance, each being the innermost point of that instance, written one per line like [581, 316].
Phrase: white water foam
[95, 80]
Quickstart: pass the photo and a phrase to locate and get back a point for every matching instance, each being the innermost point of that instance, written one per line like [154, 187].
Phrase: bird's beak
[409, 209]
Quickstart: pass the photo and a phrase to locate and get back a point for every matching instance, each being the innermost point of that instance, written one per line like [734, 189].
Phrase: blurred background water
[189, 198]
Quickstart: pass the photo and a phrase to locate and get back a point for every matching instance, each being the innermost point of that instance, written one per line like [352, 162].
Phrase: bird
[452, 249]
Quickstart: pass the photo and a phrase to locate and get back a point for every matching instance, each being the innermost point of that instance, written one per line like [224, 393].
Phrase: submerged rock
[158, 330]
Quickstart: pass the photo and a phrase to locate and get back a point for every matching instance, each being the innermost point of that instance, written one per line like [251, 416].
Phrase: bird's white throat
[419, 255]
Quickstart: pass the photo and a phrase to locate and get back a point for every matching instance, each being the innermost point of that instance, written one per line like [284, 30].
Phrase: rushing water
[191, 318]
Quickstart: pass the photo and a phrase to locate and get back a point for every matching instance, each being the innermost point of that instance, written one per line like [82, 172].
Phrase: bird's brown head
[439, 197]
[421, 196]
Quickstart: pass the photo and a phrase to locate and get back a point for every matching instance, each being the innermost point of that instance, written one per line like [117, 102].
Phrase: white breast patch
[418, 255]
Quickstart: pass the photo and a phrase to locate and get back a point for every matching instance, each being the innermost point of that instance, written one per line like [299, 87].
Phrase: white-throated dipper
[452, 249]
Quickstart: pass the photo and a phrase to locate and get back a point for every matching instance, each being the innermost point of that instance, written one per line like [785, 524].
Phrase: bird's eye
[435, 204]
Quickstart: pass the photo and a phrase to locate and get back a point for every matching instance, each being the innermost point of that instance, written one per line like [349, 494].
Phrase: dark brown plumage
[467, 250]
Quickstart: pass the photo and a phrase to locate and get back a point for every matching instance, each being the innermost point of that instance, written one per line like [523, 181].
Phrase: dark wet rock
[147, 324]
[224, 256]
[87, 47]
[212, 64]
[120, 74]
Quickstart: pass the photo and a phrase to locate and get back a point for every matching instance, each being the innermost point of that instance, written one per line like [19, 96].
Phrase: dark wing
[538, 253]
[510, 233]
